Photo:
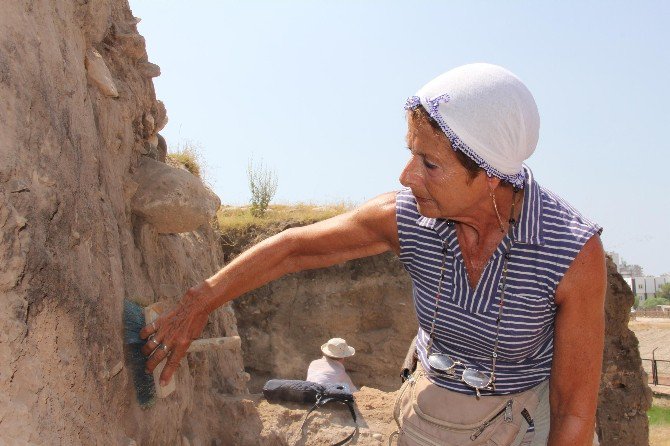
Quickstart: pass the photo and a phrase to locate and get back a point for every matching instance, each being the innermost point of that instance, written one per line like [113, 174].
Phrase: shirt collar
[529, 227]
[529, 230]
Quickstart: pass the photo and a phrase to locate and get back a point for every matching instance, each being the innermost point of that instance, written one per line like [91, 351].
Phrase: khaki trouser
[541, 421]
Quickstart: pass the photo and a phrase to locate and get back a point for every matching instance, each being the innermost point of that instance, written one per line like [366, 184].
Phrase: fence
[658, 371]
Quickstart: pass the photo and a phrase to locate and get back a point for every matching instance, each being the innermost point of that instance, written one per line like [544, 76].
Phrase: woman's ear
[493, 182]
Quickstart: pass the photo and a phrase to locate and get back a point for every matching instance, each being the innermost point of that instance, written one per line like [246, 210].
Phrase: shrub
[263, 186]
[664, 292]
[654, 301]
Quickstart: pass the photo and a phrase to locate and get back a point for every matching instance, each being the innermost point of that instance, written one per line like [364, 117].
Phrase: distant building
[629, 281]
[616, 258]
[627, 270]
[624, 268]
[646, 287]
[662, 280]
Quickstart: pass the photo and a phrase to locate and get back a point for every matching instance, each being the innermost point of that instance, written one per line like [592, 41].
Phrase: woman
[509, 280]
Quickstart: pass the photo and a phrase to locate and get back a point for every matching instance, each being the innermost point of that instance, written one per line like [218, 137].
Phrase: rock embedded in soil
[99, 74]
[172, 200]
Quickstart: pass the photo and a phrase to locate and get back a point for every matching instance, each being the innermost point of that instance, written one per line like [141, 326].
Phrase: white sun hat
[337, 348]
[487, 113]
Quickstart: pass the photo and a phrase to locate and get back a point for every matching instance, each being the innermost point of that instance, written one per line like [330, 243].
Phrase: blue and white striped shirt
[549, 235]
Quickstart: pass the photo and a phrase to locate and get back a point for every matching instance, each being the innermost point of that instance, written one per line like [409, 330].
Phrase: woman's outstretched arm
[366, 231]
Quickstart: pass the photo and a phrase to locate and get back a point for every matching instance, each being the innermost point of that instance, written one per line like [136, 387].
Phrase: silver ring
[151, 338]
[162, 347]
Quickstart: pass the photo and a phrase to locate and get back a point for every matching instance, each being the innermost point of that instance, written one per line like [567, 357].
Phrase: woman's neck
[487, 221]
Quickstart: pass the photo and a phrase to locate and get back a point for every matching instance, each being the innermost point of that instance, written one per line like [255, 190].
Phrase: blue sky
[315, 89]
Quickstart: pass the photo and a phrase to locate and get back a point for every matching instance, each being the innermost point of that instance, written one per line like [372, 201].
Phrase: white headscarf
[487, 113]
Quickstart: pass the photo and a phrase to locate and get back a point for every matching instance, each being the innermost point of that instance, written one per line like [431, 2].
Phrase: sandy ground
[654, 333]
[281, 422]
[659, 436]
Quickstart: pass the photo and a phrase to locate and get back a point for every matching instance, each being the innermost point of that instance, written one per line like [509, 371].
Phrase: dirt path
[281, 422]
[653, 333]
[659, 436]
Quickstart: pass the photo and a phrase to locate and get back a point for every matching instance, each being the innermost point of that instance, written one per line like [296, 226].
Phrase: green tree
[652, 302]
[664, 293]
[263, 186]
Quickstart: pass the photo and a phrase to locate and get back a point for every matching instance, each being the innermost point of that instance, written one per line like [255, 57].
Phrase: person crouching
[330, 368]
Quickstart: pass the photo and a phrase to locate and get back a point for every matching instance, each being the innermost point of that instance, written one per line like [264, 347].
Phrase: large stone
[132, 44]
[172, 200]
[148, 125]
[99, 74]
[161, 149]
[161, 118]
[148, 69]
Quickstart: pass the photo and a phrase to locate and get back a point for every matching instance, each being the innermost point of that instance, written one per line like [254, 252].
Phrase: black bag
[277, 390]
[292, 390]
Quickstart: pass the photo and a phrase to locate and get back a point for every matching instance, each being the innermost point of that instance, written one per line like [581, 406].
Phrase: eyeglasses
[446, 365]
[443, 365]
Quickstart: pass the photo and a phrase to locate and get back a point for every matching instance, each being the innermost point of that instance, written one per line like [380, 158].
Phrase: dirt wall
[367, 301]
[78, 115]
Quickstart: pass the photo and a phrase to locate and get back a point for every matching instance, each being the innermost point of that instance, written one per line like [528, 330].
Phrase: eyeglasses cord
[503, 283]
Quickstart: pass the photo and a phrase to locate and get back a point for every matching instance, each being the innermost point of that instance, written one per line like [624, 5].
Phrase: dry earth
[374, 408]
[654, 333]
[659, 436]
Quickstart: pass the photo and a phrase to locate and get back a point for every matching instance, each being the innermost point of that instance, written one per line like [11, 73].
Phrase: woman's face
[442, 187]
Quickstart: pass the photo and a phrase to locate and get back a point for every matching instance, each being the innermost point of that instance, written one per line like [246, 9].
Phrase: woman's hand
[172, 333]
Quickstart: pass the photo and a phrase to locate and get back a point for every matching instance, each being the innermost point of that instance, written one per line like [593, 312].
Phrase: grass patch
[186, 155]
[659, 416]
[240, 218]
[241, 230]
